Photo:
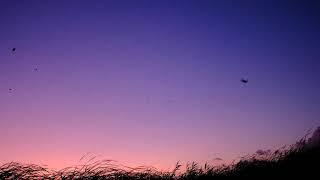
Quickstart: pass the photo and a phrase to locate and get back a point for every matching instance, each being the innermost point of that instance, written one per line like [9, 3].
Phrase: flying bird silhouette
[13, 49]
[244, 80]
[218, 159]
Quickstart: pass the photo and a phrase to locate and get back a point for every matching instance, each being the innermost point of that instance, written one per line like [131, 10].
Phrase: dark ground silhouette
[300, 160]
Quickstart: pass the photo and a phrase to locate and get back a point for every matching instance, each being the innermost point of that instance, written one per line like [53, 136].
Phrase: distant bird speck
[218, 159]
[13, 49]
[244, 81]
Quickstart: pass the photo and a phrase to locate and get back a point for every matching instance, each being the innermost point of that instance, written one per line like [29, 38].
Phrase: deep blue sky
[154, 82]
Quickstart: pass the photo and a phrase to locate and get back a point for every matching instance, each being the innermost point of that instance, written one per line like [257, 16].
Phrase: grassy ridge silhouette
[298, 160]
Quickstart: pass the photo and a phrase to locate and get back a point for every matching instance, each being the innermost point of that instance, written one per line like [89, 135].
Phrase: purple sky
[154, 82]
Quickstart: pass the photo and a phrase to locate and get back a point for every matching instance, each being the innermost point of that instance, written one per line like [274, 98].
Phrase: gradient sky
[154, 82]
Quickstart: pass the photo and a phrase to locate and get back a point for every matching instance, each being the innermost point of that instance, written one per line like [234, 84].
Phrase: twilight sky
[154, 82]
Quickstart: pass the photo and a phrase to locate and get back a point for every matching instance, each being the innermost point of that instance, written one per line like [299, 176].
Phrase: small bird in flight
[10, 90]
[244, 80]
[218, 159]
[13, 49]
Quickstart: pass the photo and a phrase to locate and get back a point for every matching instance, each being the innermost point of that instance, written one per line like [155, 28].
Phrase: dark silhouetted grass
[301, 160]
